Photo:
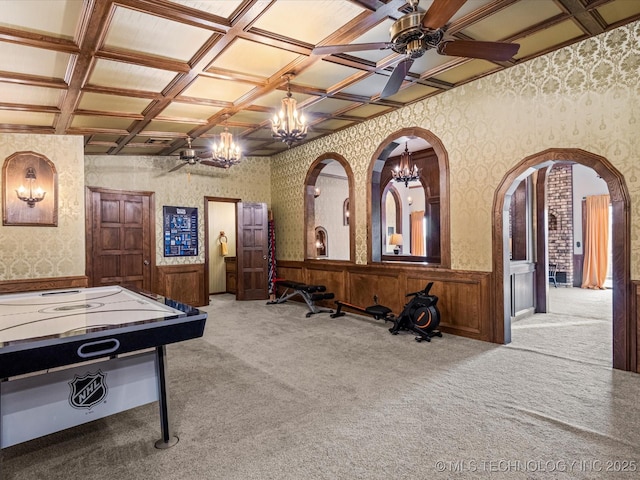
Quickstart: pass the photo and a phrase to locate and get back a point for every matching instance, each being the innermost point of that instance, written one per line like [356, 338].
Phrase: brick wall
[559, 201]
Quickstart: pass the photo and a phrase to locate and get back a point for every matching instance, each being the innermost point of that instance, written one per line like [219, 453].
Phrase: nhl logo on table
[88, 390]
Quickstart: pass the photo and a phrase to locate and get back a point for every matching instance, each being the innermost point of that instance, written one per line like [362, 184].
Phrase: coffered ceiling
[137, 77]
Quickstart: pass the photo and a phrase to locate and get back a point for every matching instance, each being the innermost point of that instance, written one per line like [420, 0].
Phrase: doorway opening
[220, 260]
[567, 321]
[623, 327]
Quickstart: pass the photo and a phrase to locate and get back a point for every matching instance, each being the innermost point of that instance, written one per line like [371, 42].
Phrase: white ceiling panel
[292, 18]
[127, 75]
[33, 61]
[153, 35]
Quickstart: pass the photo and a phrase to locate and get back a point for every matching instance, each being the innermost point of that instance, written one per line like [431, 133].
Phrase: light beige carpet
[578, 326]
[270, 394]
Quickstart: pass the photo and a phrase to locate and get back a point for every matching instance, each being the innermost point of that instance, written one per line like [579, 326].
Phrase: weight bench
[309, 293]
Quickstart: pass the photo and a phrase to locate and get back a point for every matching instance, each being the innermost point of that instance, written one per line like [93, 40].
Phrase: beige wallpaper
[186, 187]
[43, 252]
[583, 96]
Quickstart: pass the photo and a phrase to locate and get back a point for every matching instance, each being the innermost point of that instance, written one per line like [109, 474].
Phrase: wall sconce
[345, 212]
[34, 196]
[396, 240]
[410, 201]
[316, 192]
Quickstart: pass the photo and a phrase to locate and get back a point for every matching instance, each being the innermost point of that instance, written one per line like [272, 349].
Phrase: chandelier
[407, 171]
[288, 126]
[226, 153]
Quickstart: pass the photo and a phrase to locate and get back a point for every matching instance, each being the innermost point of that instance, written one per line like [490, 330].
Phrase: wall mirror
[404, 225]
[409, 177]
[328, 209]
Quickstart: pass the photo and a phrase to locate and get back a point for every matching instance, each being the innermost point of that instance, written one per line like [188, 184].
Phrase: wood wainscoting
[634, 354]
[37, 284]
[464, 296]
[183, 283]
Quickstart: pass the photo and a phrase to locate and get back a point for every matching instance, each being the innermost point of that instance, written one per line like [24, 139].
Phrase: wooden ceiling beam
[38, 40]
[96, 15]
[586, 18]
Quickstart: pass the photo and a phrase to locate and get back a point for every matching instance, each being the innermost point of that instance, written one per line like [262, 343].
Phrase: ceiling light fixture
[288, 126]
[407, 171]
[226, 153]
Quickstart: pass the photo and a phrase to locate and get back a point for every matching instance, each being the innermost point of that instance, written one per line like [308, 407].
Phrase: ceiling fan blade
[355, 47]
[211, 163]
[397, 77]
[205, 154]
[440, 12]
[474, 49]
[177, 167]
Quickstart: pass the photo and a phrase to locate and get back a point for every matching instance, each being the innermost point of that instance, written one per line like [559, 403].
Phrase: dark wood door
[252, 252]
[120, 232]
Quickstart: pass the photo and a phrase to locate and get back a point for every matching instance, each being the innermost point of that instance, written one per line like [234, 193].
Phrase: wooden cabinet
[231, 275]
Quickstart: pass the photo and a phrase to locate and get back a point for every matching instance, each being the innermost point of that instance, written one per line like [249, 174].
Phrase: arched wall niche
[375, 191]
[310, 196]
[624, 327]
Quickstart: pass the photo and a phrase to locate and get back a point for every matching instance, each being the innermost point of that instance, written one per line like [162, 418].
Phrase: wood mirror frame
[374, 196]
[309, 205]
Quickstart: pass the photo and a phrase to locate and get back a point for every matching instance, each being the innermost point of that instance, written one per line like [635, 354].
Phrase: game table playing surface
[42, 330]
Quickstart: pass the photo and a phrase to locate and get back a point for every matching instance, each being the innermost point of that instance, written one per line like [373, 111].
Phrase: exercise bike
[420, 315]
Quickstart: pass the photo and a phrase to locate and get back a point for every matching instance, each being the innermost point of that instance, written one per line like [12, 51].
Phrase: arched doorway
[624, 342]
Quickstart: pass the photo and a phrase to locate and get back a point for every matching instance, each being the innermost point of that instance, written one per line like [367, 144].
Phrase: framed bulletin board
[180, 225]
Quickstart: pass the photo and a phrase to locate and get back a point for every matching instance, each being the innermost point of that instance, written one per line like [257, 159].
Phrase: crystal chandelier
[226, 153]
[288, 126]
[407, 171]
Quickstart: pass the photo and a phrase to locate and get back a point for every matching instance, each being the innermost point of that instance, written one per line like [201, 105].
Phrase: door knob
[146, 263]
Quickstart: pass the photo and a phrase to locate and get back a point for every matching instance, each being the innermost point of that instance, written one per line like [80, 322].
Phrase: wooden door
[252, 252]
[120, 232]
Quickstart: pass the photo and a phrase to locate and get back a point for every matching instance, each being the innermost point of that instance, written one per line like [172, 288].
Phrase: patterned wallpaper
[44, 252]
[582, 96]
[186, 187]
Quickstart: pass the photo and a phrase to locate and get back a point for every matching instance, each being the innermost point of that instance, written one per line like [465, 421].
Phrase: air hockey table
[69, 357]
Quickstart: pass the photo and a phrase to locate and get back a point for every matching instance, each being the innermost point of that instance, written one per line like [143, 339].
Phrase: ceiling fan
[190, 157]
[416, 32]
